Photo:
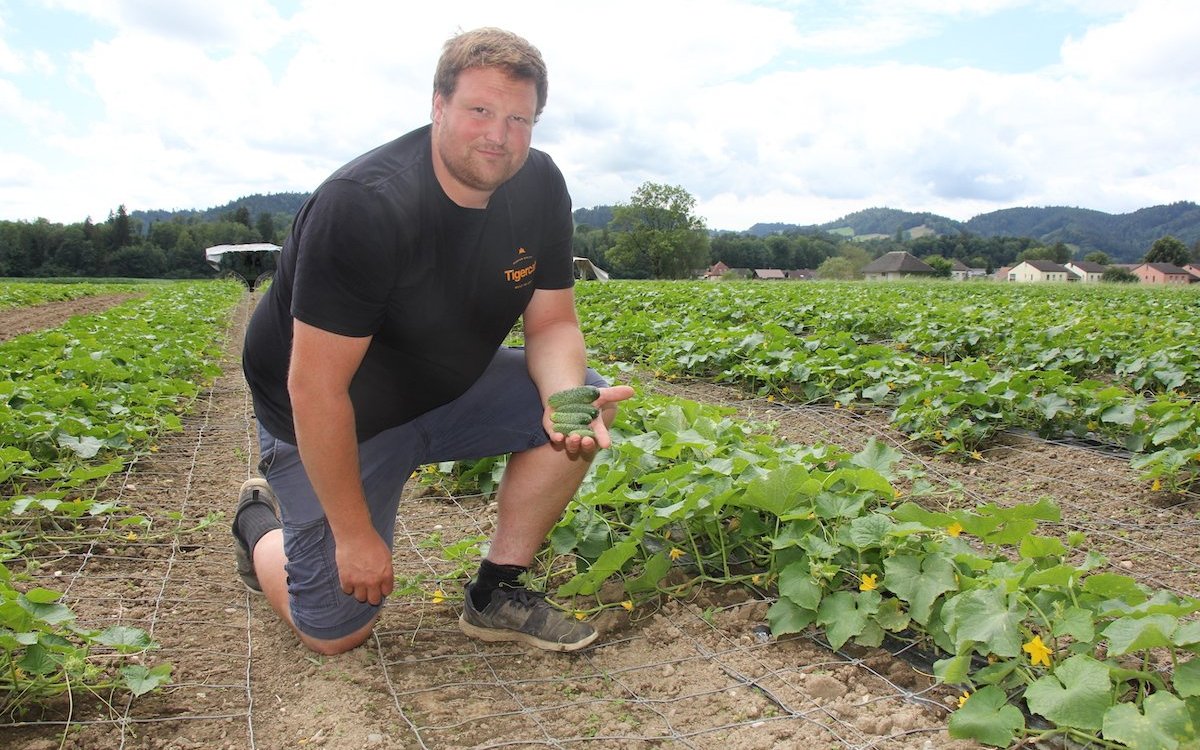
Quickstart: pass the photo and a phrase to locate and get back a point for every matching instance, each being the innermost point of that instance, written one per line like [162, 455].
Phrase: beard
[467, 167]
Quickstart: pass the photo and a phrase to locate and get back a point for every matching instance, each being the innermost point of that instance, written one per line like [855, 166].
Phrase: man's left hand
[586, 447]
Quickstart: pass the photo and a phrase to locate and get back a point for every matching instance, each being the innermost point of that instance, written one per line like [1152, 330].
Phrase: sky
[794, 111]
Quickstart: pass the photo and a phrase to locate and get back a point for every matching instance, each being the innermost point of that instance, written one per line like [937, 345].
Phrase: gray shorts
[501, 413]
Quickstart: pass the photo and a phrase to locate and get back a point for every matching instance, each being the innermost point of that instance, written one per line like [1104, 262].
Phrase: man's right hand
[365, 567]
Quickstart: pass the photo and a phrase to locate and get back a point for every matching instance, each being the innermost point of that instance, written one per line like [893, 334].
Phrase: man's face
[481, 133]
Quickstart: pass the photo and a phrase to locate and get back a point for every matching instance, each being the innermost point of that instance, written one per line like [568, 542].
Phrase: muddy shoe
[255, 491]
[524, 615]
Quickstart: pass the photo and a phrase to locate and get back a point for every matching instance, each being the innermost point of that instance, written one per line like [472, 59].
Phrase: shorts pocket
[311, 567]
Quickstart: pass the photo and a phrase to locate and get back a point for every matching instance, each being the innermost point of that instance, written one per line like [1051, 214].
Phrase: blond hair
[490, 48]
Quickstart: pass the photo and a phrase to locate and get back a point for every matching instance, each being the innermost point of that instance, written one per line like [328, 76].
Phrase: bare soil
[690, 673]
[21, 320]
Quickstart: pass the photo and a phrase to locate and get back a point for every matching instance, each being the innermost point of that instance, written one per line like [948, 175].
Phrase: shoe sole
[498, 635]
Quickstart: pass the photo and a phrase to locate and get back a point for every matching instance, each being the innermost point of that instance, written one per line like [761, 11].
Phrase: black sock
[255, 520]
[491, 577]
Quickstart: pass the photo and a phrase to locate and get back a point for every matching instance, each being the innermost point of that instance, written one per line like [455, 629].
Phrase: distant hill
[274, 204]
[1125, 237]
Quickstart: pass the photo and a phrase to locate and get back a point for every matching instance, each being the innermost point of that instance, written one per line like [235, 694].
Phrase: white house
[1039, 270]
[1087, 271]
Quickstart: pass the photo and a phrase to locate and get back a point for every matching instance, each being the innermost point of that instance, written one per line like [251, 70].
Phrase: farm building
[1161, 273]
[1038, 271]
[1089, 272]
[897, 265]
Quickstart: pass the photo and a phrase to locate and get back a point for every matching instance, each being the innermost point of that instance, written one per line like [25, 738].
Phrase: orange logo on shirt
[523, 267]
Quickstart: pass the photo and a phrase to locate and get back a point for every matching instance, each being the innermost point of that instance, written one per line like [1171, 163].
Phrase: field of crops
[1018, 609]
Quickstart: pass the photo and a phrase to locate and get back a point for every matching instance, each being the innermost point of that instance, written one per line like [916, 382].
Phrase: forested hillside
[1124, 237]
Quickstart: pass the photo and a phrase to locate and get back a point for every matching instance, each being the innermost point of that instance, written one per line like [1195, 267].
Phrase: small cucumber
[591, 411]
[584, 394]
[567, 418]
[583, 433]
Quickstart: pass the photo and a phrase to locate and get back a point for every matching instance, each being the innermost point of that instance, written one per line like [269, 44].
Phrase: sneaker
[254, 490]
[524, 615]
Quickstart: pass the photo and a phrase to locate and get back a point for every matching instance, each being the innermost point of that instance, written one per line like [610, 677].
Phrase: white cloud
[196, 103]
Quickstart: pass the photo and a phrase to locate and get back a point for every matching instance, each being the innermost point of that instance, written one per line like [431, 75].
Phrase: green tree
[838, 267]
[658, 235]
[242, 216]
[1098, 256]
[266, 227]
[941, 267]
[1167, 249]
[1118, 275]
[121, 234]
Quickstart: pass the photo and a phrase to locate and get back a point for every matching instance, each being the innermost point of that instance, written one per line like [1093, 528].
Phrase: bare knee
[335, 646]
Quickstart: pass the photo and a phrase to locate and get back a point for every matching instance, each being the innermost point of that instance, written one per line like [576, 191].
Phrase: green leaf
[844, 614]
[1187, 678]
[1166, 724]
[1128, 634]
[955, 670]
[124, 638]
[877, 456]
[987, 717]
[1122, 414]
[609, 562]
[1076, 623]
[1114, 586]
[141, 680]
[37, 660]
[781, 490]
[1171, 430]
[1041, 546]
[989, 618]
[919, 581]
[797, 584]
[42, 596]
[869, 531]
[786, 617]
[1076, 694]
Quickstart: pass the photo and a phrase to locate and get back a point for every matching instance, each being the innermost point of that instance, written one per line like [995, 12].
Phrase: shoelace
[524, 597]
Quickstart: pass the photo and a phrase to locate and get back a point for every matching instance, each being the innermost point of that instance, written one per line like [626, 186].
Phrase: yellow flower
[439, 596]
[771, 398]
[755, 579]
[1038, 652]
[1156, 486]
[954, 529]
[131, 536]
[868, 582]
[837, 404]
[676, 553]
[962, 699]
[977, 455]
[580, 614]
[628, 605]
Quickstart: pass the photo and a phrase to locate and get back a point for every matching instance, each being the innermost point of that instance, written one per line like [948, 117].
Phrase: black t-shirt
[380, 250]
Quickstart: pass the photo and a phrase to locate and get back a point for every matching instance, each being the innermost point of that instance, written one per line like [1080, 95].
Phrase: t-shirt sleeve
[557, 271]
[345, 261]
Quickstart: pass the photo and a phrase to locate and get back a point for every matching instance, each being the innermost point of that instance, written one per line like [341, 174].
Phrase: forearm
[328, 444]
[556, 357]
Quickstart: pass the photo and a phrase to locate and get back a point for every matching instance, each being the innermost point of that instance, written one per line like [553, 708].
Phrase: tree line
[125, 247]
[655, 235]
